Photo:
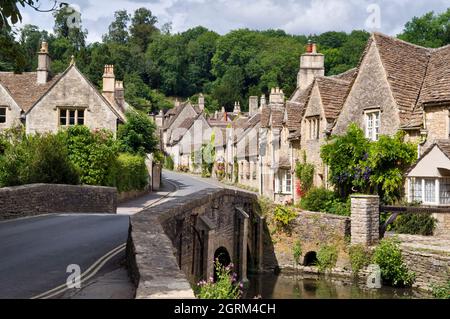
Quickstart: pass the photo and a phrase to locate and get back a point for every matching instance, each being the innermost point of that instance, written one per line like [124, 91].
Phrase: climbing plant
[359, 165]
[305, 174]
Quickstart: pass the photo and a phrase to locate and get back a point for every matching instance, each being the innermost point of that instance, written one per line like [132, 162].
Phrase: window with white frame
[284, 181]
[314, 127]
[2, 114]
[69, 117]
[435, 191]
[373, 125]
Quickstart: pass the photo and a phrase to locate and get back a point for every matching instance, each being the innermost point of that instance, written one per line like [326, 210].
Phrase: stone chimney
[119, 94]
[276, 96]
[109, 81]
[43, 69]
[263, 102]
[253, 105]
[201, 102]
[237, 108]
[312, 64]
[177, 102]
[159, 119]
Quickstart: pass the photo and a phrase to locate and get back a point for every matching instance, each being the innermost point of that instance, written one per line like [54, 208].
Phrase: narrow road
[35, 252]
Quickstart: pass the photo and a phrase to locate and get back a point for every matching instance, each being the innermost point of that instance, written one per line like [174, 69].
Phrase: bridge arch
[310, 258]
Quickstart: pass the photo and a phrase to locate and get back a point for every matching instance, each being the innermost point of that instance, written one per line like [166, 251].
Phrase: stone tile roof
[444, 145]
[24, 88]
[277, 117]
[296, 109]
[284, 162]
[405, 65]
[175, 111]
[333, 92]
[265, 116]
[436, 87]
[347, 75]
[251, 123]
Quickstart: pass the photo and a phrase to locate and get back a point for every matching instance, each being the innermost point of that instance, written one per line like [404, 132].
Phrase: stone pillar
[243, 261]
[365, 219]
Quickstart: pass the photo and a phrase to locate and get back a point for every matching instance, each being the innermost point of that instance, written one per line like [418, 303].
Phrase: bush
[442, 292]
[93, 153]
[393, 270]
[183, 168]
[37, 159]
[326, 258]
[360, 257]
[168, 163]
[297, 251]
[323, 200]
[415, 224]
[128, 172]
[224, 288]
[137, 135]
[317, 199]
[305, 176]
[284, 215]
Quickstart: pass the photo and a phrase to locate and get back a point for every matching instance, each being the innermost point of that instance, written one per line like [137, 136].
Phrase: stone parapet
[38, 199]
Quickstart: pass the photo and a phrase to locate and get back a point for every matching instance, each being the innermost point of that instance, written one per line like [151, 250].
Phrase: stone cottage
[43, 102]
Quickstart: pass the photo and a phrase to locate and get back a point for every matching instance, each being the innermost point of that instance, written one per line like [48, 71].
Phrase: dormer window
[72, 116]
[372, 125]
[2, 114]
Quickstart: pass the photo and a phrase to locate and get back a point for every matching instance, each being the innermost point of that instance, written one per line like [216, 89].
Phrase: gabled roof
[436, 87]
[333, 92]
[176, 111]
[405, 65]
[24, 89]
[296, 109]
[277, 117]
[252, 122]
[443, 145]
[114, 108]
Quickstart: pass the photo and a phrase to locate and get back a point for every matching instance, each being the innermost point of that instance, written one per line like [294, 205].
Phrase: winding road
[35, 252]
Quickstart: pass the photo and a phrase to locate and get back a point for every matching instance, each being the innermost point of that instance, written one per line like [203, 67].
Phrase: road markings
[89, 273]
[95, 268]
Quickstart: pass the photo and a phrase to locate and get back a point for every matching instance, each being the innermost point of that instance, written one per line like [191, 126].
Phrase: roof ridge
[400, 40]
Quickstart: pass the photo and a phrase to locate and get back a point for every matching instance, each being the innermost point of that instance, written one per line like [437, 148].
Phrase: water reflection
[270, 286]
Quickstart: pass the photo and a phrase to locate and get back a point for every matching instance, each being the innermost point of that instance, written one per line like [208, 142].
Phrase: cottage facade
[45, 103]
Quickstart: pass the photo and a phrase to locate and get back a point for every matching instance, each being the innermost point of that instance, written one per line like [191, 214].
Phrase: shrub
[137, 135]
[93, 153]
[37, 159]
[168, 163]
[305, 175]
[360, 257]
[284, 215]
[416, 224]
[128, 172]
[183, 168]
[224, 288]
[323, 200]
[297, 251]
[393, 270]
[317, 200]
[326, 258]
[442, 292]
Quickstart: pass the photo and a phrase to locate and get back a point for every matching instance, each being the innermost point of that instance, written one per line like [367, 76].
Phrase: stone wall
[431, 268]
[172, 245]
[312, 230]
[37, 199]
[71, 91]
[365, 211]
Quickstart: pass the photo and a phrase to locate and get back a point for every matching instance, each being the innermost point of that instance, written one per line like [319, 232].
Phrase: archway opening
[223, 257]
[310, 259]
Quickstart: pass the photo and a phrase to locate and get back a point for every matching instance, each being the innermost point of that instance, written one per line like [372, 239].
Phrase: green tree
[143, 28]
[118, 29]
[430, 30]
[62, 29]
[138, 134]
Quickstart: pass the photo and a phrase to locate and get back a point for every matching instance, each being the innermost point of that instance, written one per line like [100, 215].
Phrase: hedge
[129, 172]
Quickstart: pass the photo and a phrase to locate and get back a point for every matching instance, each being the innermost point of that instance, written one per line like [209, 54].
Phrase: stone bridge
[173, 245]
